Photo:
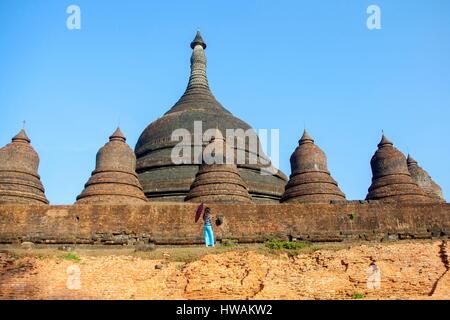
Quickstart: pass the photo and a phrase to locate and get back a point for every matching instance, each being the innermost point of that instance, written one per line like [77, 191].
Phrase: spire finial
[21, 137]
[384, 140]
[117, 135]
[198, 40]
[306, 138]
[23, 124]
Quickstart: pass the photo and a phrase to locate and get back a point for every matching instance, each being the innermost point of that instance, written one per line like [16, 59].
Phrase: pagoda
[310, 180]
[114, 179]
[19, 178]
[391, 180]
[164, 180]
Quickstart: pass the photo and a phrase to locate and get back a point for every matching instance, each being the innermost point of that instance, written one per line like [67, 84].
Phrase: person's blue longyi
[209, 235]
[207, 229]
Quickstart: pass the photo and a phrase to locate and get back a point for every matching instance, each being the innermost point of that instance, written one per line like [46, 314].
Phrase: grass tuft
[287, 245]
[229, 243]
[71, 256]
[358, 296]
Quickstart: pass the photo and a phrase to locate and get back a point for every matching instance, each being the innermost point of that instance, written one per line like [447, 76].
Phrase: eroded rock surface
[408, 270]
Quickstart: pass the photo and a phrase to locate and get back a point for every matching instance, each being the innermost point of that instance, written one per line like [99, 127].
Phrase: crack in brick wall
[444, 255]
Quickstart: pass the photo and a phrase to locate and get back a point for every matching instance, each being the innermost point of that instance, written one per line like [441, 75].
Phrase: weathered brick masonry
[173, 223]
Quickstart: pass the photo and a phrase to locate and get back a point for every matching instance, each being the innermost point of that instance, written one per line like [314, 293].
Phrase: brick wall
[173, 223]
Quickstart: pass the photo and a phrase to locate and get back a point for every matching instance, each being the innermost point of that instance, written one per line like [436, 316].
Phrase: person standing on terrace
[207, 229]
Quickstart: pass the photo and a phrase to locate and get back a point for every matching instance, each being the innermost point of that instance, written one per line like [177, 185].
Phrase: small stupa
[218, 179]
[19, 178]
[114, 180]
[391, 180]
[424, 181]
[310, 180]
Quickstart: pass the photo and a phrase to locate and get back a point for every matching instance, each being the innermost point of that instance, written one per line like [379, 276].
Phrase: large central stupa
[161, 178]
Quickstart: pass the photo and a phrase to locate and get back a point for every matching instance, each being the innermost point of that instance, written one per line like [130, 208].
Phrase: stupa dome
[114, 179]
[19, 178]
[310, 180]
[218, 180]
[424, 181]
[391, 180]
[164, 180]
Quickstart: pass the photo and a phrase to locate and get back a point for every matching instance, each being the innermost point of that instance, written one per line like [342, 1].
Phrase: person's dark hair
[207, 210]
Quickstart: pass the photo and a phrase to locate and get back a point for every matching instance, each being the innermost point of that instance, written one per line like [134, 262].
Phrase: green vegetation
[287, 245]
[352, 216]
[229, 243]
[181, 254]
[358, 296]
[71, 256]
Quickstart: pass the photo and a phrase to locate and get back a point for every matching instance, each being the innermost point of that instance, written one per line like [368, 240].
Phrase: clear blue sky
[275, 64]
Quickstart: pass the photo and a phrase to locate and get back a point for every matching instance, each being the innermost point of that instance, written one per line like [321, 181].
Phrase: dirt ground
[397, 270]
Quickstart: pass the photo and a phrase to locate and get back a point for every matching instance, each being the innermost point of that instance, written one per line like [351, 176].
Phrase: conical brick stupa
[114, 180]
[19, 178]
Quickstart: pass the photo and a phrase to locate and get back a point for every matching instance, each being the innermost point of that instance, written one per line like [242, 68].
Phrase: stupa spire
[306, 138]
[198, 94]
[118, 135]
[198, 78]
[384, 141]
[198, 40]
[21, 137]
